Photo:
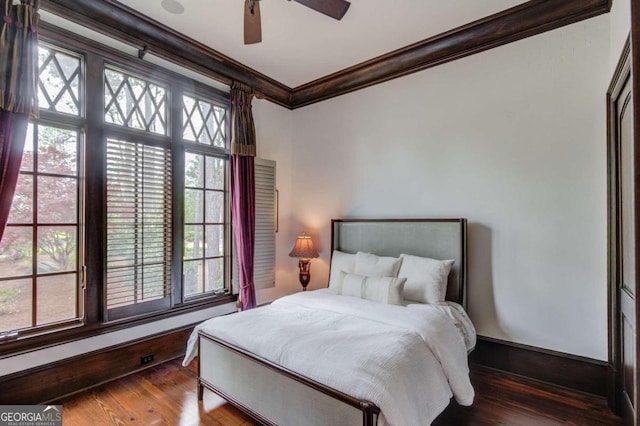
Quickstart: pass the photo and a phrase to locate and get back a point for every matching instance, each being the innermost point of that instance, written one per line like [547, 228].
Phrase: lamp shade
[304, 248]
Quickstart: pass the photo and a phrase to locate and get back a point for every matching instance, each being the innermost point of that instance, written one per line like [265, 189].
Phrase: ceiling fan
[253, 26]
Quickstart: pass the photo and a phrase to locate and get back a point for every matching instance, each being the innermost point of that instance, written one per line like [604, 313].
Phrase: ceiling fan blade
[333, 8]
[252, 22]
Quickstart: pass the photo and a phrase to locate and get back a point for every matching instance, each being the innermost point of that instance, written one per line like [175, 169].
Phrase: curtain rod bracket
[142, 52]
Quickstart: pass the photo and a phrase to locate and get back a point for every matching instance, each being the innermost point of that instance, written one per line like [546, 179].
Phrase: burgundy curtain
[243, 206]
[13, 131]
[18, 92]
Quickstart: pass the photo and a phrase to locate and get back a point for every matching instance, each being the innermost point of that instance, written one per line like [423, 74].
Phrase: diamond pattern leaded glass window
[204, 122]
[135, 103]
[59, 79]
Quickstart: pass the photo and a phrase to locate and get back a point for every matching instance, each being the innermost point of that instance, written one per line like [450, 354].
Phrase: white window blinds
[138, 226]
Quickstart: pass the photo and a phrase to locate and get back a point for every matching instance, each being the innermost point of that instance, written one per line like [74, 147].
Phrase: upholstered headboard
[435, 238]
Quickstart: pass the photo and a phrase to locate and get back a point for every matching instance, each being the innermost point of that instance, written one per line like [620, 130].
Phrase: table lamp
[304, 250]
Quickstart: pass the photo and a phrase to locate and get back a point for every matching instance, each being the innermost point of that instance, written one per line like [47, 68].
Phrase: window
[40, 253]
[59, 83]
[121, 211]
[204, 224]
[139, 196]
[134, 102]
[138, 226]
[141, 179]
[206, 219]
[204, 122]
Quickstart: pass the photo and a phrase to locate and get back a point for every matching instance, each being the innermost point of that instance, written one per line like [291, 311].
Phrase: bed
[324, 357]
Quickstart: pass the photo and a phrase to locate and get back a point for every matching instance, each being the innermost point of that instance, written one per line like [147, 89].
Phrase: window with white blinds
[264, 273]
[139, 200]
[121, 211]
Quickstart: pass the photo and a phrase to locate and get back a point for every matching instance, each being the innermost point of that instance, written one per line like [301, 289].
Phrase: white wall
[512, 139]
[275, 142]
[620, 24]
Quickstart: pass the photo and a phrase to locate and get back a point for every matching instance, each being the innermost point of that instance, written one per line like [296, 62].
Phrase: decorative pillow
[370, 265]
[384, 290]
[340, 261]
[426, 278]
[377, 289]
[352, 284]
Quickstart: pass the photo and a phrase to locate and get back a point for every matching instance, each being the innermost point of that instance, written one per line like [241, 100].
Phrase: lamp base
[305, 274]
[305, 277]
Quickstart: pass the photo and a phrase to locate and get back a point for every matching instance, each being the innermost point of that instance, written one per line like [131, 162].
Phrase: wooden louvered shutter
[264, 260]
[264, 273]
[138, 270]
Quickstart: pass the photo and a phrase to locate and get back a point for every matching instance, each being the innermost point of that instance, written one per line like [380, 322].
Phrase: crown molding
[525, 20]
[127, 25]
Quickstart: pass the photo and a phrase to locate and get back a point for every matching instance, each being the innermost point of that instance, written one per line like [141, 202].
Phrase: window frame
[94, 132]
[164, 141]
[35, 224]
[226, 226]
[145, 306]
[206, 150]
[73, 123]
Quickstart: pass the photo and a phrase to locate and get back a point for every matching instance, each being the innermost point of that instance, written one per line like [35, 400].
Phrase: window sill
[29, 343]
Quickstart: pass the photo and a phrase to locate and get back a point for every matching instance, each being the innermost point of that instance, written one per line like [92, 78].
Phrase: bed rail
[298, 401]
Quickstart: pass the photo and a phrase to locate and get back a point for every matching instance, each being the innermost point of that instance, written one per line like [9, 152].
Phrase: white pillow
[384, 290]
[426, 278]
[370, 265]
[377, 289]
[352, 284]
[340, 261]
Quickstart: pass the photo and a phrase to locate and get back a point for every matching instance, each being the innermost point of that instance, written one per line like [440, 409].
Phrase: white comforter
[408, 360]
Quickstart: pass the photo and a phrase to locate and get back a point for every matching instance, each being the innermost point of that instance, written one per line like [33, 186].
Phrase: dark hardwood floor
[506, 399]
[166, 395]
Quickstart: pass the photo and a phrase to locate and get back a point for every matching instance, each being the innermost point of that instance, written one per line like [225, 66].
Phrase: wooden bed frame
[273, 395]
